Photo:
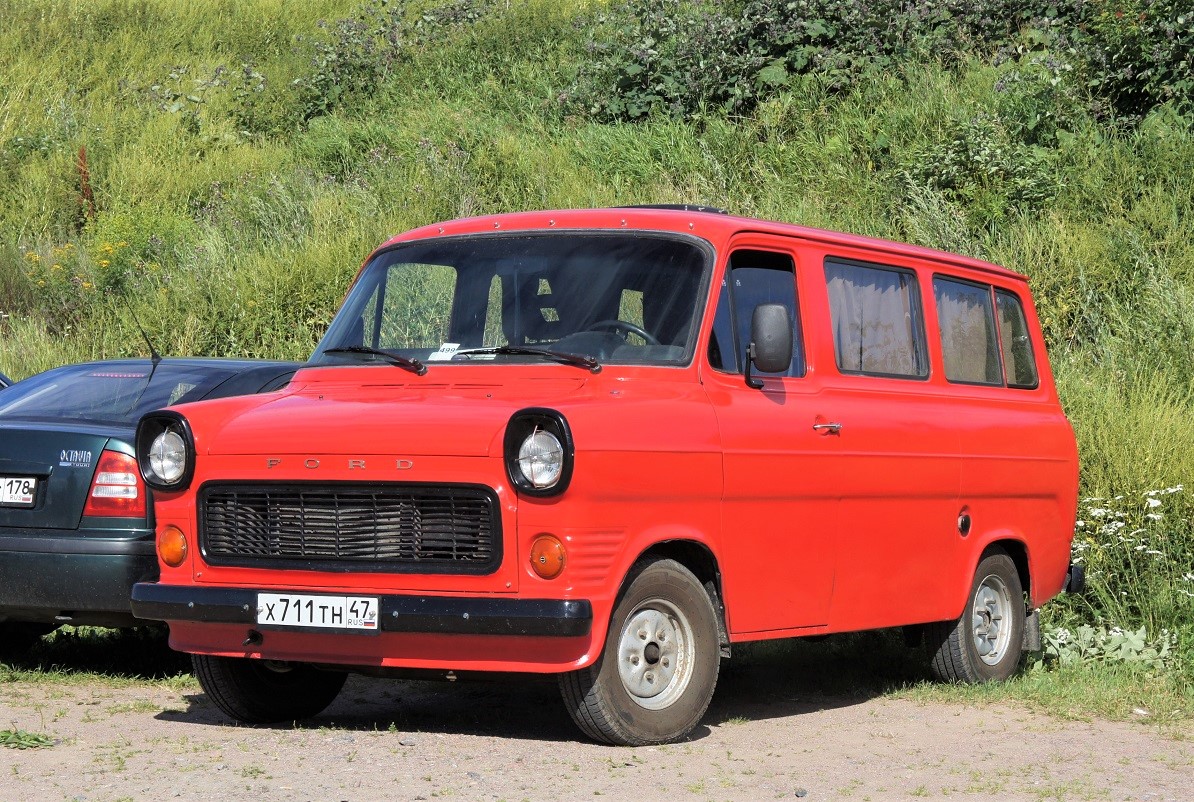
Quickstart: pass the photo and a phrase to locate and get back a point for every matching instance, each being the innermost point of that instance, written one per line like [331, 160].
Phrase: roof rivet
[551, 222]
[691, 226]
[441, 229]
[623, 224]
[497, 225]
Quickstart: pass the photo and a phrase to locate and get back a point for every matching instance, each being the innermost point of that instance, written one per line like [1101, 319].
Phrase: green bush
[979, 165]
[1138, 54]
[677, 57]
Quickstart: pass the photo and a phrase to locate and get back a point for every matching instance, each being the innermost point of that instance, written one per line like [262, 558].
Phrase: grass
[241, 165]
[20, 739]
[879, 664]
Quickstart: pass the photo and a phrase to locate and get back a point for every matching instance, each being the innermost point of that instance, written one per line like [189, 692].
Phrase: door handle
[828, 428]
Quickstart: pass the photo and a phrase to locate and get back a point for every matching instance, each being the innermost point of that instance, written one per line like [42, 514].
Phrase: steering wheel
[625, 328]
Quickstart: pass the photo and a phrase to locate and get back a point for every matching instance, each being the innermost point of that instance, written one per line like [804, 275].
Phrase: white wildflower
[1153, 503]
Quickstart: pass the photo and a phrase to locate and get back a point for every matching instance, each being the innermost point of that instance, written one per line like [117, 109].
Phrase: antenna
[153, 352]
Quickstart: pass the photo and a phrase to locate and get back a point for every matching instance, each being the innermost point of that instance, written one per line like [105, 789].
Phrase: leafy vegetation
[20, 739]
[219, 175]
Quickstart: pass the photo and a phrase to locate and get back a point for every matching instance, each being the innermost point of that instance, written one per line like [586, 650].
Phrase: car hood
[461, 418]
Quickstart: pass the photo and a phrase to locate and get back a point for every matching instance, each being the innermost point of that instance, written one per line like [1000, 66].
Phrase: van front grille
[403, 528]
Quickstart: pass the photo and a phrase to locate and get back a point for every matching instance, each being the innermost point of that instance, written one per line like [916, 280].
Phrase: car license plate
[325, 612]
[17, 491]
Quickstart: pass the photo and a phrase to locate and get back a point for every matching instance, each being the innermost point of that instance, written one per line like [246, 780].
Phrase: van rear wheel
[266, 691]
[657, 671]
[987, 641]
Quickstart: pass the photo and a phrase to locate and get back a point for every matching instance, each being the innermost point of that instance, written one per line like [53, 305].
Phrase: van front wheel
[986, 642]
[656, 675]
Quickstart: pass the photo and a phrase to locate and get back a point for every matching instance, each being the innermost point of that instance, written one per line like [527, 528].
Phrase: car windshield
[617, 297]
[107, 394]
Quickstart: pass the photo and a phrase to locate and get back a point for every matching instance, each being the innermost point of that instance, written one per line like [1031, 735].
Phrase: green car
[76, 522]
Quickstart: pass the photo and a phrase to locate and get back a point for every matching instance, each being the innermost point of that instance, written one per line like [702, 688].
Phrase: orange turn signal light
[547, 556]
[172, 546]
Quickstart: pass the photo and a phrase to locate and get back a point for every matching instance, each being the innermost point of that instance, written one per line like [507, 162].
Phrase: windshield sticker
[445, 352]
[71, 458]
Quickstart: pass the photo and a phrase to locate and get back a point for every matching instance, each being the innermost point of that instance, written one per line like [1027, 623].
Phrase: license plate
[17, 491]
[324, 612]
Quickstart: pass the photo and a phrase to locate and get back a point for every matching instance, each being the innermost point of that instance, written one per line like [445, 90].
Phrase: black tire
[657, 671]
[987, 641]
[17, 637]
[265, 691]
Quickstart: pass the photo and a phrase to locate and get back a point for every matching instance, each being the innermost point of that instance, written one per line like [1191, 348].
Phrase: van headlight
[165, 450]
[539, 452]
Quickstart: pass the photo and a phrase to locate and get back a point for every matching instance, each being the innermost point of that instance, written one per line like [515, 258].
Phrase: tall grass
[244, 157]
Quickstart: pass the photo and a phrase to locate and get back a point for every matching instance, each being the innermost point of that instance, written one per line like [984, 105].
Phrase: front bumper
[77, 577]
[436, 615]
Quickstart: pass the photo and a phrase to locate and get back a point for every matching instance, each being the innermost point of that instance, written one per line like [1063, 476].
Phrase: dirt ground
[765, 737]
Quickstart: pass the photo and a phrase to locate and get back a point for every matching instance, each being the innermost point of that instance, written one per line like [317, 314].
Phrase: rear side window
[966, 318]
[1014, 342]
[878, 325]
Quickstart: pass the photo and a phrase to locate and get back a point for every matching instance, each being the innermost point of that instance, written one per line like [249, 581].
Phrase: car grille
[345, 527]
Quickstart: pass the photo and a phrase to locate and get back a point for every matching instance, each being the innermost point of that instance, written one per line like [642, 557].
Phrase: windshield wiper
[577, 360]
[413, 365]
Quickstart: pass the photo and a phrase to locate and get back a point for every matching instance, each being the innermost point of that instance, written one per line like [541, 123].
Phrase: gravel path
[512, 740]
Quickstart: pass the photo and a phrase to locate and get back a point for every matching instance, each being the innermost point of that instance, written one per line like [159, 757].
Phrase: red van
[610, 445]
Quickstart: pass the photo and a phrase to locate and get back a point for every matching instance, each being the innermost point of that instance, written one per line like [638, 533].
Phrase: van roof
[705, 222]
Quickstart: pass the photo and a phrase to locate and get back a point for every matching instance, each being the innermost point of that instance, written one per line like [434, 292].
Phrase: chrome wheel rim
[991, 619]
[655, 654]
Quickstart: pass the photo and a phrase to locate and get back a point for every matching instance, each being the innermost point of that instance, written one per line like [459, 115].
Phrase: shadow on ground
[141, 653]
[762, 681]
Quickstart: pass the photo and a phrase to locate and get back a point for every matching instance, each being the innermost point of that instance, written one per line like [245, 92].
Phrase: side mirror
[770, 348]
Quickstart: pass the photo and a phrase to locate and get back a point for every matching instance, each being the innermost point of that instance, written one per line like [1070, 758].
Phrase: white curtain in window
[873, 326]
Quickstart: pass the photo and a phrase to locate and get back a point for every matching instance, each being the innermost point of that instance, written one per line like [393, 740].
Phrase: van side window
[755, 277]
[1014, 342]
[966, 317]
[878, 326]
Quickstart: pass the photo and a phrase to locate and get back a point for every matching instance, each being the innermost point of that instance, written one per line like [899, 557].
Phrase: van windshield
[615, 298]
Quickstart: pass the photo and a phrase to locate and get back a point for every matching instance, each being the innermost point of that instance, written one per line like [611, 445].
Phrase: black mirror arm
[751, 381]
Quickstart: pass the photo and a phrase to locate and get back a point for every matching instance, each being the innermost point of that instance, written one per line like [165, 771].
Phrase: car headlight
[165, 450]
[539, 452]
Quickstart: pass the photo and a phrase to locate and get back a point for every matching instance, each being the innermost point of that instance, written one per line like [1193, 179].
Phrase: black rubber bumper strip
[552, 618]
